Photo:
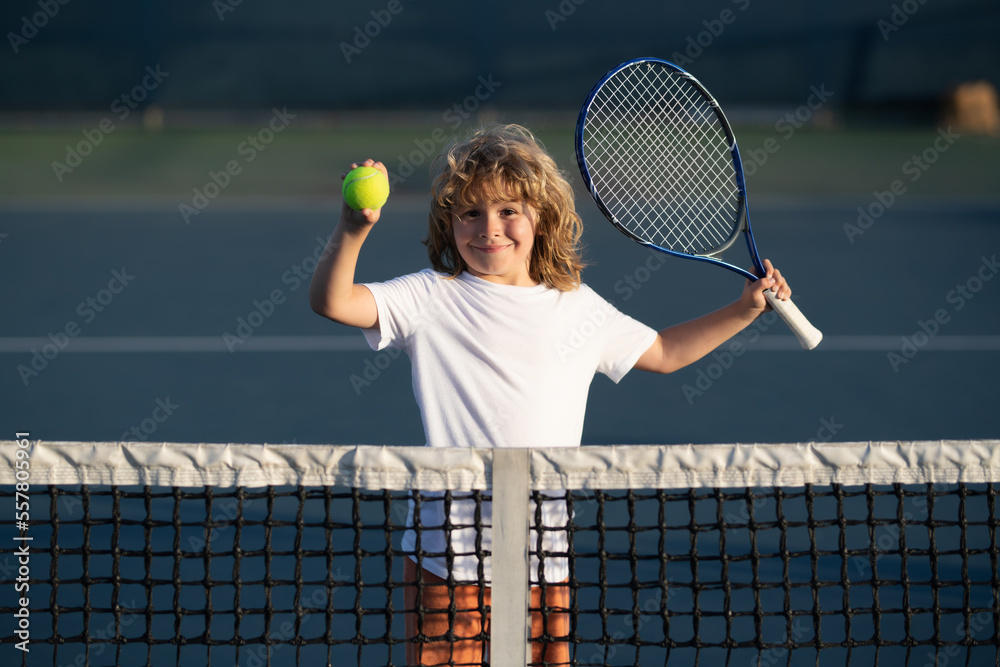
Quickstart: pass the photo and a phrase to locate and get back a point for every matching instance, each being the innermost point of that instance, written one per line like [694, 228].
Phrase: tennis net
[793, 554]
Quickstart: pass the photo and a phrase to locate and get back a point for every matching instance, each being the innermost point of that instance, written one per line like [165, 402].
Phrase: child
[488, 332]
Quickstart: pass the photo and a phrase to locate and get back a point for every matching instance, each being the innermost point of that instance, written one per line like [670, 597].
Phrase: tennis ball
[366, 187]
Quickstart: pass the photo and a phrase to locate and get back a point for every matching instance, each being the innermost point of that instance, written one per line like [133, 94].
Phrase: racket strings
[660, 161]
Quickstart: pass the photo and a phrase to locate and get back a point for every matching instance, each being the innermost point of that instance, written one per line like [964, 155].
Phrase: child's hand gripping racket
[661, 161]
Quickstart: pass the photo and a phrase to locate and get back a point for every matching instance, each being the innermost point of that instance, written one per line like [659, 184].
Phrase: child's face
[495, 240]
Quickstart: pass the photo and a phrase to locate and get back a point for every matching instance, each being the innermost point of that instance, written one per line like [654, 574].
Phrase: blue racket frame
[743, 216]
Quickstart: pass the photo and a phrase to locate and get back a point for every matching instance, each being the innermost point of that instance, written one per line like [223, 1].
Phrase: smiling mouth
[490, 249]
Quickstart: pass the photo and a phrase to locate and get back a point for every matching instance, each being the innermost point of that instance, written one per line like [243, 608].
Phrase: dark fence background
[405, 54]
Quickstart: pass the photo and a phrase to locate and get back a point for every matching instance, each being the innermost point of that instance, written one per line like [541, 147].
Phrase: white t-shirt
[499, 366]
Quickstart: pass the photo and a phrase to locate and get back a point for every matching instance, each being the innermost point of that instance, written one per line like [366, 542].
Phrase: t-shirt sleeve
[625, 340]
[401, 303]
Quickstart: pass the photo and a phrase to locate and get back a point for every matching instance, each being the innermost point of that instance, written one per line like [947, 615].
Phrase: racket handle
[808, 335]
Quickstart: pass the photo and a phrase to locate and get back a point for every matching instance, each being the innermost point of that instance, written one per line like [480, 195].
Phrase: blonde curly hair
[506, 163]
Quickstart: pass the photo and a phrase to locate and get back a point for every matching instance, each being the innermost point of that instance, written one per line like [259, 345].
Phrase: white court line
[881, 344]
[189, 344]
[356, 343]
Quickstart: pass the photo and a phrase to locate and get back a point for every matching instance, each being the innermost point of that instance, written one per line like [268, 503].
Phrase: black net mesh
[275, 575]
[814, 575]
[828, 575]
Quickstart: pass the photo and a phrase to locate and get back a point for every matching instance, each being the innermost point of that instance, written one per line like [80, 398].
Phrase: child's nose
[493, 225]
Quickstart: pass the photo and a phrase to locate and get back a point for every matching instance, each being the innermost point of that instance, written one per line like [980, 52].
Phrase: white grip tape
[808, 335]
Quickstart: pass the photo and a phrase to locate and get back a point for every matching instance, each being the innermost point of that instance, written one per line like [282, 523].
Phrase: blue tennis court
[147, 328]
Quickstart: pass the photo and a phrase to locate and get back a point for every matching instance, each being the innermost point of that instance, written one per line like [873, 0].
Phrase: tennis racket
[661, 161]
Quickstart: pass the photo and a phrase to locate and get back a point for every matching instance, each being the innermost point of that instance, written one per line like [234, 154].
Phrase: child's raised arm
[332, 292]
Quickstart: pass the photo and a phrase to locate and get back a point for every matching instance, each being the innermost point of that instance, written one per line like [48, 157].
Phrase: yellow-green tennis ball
[366, 187]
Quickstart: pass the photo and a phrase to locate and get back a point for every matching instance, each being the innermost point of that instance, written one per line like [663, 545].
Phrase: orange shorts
[471, 624]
